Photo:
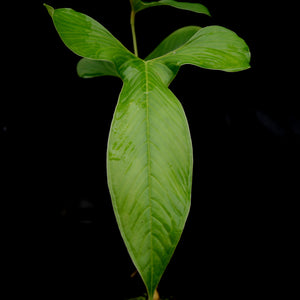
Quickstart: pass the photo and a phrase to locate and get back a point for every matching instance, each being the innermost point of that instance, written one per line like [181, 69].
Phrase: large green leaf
[139, 5]
[149, 167]
[212, 47]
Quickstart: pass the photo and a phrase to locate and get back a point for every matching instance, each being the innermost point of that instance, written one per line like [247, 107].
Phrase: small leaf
[139, 5]
[212, 47]
[87, 68]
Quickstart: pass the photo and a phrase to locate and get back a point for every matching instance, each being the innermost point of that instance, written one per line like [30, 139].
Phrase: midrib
[149, 165]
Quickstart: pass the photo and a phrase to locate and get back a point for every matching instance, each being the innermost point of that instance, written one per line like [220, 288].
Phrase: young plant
[149, 154]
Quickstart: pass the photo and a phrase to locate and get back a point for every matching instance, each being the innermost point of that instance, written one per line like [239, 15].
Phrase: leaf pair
[149, 155]
[212, 47]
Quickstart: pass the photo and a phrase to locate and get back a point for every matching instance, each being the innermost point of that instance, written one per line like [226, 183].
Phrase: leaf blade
[212, 47]
[86, 37]
[149, 167]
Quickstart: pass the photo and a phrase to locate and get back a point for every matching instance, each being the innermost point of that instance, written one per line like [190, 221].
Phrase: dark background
[59, 233]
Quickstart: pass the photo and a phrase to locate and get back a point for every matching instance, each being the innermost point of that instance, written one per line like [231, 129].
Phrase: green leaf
[87, 68]
[149, 167]
[139, 5]
[212, 47]
[86, 37]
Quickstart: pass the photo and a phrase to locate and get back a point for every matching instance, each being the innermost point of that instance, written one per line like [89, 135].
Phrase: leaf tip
[50, 9]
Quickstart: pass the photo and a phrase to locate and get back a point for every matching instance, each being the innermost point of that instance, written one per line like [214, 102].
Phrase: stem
[156, 295]
[132, 23]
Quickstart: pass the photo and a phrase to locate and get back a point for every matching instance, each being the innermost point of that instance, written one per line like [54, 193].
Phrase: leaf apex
[50, 9]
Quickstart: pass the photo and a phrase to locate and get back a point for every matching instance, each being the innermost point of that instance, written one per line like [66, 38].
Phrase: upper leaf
[86, 37]
[212, 47]
[139, 5]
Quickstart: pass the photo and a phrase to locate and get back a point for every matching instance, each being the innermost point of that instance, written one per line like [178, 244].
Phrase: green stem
[132, 23]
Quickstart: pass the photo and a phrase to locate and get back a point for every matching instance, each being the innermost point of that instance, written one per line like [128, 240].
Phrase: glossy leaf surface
[86, 37]
[149, 166]
[139, 5]
[212, 47]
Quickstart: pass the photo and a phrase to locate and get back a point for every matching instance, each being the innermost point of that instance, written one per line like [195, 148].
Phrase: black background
[59, 233]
